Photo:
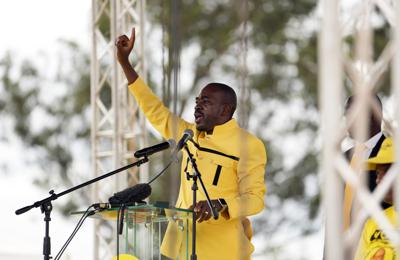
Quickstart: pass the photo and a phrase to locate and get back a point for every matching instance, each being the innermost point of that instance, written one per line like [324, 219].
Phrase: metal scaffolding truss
[117, 128]
[357, 20]
[244, 90]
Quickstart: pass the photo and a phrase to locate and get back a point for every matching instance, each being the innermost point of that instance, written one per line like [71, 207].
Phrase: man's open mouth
[198, 116]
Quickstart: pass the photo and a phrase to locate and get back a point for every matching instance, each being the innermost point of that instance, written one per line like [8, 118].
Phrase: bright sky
[27, 28]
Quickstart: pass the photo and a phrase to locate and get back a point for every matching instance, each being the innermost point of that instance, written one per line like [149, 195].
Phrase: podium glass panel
[144, 229]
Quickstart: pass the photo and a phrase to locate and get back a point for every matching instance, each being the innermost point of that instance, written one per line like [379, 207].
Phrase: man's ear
[226, 110]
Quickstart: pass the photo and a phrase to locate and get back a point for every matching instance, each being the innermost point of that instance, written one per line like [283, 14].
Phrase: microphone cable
[120, 224]
[161, 172]
[187, 136]
[86, 214]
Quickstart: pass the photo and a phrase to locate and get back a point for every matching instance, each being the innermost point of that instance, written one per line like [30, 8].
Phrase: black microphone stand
[196, 175]
[46, 206]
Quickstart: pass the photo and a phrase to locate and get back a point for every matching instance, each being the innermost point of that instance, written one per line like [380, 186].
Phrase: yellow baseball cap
[386, 153]
[125, 257]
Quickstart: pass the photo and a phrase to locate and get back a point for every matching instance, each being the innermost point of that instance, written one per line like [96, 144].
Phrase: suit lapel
[376, 148]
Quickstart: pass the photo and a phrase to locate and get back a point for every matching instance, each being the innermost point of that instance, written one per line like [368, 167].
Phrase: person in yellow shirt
[231, 161]
[373, 244]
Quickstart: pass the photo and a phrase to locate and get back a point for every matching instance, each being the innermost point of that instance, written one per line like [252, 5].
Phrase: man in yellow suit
[373, 244]
[231, 161]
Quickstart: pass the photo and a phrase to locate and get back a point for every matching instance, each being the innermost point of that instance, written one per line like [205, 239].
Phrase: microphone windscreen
[137, 193]
[142, 191]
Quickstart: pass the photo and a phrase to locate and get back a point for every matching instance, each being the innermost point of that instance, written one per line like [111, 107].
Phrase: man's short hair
[229, 94]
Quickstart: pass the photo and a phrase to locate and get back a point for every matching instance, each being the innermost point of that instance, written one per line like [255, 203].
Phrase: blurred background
[45, 110]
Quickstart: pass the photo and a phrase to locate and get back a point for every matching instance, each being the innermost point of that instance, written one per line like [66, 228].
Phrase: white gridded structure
[364, 72]
[116, 127]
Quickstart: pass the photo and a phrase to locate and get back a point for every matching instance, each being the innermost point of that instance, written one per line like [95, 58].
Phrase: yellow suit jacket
[232, 164]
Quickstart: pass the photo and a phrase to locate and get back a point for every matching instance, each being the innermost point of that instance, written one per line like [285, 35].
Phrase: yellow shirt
[232, 164]
[373, 241]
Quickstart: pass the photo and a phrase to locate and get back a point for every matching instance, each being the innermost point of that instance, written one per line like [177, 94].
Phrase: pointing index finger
[132, 38]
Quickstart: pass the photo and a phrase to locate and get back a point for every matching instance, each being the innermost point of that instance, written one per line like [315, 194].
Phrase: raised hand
[124, 47]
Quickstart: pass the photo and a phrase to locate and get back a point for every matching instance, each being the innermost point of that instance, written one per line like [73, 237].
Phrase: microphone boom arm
[46, 206]
[54, 196]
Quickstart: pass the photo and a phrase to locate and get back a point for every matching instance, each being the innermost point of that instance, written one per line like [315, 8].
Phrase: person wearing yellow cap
[373, 244]
[125, 257]
[362, 150]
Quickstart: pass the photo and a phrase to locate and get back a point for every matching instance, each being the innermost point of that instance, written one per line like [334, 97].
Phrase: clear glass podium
[144, 229]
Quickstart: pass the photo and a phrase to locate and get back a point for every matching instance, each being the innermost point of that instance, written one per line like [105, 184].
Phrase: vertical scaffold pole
[330, 84]
[116, 129]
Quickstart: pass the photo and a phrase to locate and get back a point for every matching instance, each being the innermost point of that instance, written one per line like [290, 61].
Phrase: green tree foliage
[283, 68]
[286, 70]
[49, 129]
[279, 33]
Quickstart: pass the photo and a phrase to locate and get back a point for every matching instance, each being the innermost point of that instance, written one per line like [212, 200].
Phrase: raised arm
[166, 123]
[124, 47]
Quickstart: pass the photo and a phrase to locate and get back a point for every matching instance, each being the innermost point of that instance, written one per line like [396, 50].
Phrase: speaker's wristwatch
[224, 206]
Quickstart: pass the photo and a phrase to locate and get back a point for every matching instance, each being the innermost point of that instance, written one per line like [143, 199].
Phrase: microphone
[136, 193]
[101, 206]
[23, 210]
[154, 149]
[187, 135]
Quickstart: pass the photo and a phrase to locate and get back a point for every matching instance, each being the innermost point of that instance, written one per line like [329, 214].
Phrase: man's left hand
[203, 211]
